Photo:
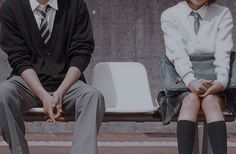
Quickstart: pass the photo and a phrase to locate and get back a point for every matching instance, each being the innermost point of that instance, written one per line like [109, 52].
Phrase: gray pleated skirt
[169, 106]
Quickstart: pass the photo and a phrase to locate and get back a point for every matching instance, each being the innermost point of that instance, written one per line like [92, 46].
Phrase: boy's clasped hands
[52, 105]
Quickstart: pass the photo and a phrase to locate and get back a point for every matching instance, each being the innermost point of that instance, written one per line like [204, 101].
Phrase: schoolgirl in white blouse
[194, 27]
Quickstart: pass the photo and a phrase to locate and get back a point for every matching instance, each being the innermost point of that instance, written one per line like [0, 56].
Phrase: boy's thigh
[18, 93]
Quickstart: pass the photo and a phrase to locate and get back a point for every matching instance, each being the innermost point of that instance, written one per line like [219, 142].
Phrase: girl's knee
[211, 98]
[191, 102]
[211, 106]
[190, 108]
[212, 102]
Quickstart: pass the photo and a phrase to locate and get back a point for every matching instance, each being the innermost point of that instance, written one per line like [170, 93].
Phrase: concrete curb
[111, 127]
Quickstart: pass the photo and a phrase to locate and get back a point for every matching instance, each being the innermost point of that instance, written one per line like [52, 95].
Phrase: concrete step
[111, 127]
[148, 143]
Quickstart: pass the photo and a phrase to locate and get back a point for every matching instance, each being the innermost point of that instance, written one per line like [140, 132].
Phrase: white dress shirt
[214, 36]
[50, 14]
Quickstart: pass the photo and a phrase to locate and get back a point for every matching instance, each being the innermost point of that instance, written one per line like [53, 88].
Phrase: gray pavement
[139, 143]
[114, 138]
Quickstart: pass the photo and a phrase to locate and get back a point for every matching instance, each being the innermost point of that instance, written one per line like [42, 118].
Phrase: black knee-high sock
[218, 137]
[185, 136]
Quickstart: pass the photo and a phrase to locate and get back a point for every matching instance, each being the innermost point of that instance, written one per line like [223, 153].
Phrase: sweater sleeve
[176, 48]
[11, 41]
[82, 44]
[223, 47]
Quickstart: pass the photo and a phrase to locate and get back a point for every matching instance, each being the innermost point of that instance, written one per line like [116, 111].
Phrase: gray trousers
[85, 101]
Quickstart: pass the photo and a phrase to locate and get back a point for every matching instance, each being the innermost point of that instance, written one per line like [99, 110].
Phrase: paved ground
[110, 144]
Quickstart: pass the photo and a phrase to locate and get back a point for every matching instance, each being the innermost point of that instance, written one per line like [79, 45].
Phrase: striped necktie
[197, 19]
[44, 27]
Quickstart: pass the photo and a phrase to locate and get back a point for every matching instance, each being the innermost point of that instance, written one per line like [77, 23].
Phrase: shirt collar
[34, 4]
[202, 11]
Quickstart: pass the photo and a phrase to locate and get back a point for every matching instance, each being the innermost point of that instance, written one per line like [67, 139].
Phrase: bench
[201, 145]
[127, 95]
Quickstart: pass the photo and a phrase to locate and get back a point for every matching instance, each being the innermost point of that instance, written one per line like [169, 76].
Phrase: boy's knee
[7, 91]
[94, 93]
[100, 98]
